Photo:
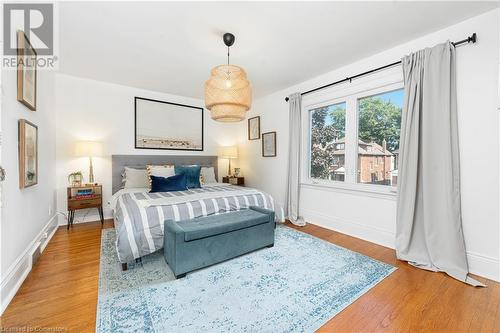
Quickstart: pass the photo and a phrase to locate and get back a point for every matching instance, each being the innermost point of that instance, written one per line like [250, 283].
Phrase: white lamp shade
[88, 149]
[228, 152]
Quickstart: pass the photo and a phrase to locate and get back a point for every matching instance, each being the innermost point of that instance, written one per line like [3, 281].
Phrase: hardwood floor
[61, 292]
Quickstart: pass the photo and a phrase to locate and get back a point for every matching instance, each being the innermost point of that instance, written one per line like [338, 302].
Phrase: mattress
[139, 215]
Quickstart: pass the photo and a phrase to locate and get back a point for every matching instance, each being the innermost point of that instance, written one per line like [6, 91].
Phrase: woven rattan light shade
[228, 94]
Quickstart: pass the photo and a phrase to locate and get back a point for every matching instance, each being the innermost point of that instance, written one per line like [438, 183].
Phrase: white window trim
[349, 93]
[368, 190]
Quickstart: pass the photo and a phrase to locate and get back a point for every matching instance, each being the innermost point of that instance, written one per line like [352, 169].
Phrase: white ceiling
[171, 47]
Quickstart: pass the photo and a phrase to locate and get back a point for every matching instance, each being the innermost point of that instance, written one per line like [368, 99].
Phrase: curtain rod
[470, 39]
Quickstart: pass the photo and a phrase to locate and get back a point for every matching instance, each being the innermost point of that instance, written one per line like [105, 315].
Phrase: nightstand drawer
[84, 203]
[234, 180]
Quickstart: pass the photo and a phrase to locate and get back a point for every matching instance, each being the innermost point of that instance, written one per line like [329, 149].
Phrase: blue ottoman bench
[204, 241]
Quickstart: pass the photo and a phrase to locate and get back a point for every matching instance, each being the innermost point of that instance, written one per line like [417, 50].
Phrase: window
[379, 124]
[352, 135]
[327, 142]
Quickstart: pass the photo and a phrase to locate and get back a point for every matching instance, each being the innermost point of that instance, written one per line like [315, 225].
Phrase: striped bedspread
[139, 224]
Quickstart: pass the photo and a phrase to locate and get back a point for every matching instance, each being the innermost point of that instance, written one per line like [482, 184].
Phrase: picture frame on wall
[167, 126]
[28, 153]
[254, 128]
[269, 144]
[26, 71]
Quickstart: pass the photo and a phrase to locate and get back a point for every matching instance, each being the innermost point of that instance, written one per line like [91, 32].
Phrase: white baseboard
[479, 264]
[19, 270]
[484, 266]
[351, 228]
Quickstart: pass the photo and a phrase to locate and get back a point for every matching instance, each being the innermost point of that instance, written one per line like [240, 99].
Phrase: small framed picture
[28, 154]
[26, 71]
[254, 128]
[269, 144]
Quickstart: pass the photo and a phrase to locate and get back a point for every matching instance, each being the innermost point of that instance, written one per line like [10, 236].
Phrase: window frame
[350, 93]
[369, 93]
[335, 101]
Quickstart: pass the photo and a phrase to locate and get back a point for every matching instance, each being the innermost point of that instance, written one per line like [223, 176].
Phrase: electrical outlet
[50, 210]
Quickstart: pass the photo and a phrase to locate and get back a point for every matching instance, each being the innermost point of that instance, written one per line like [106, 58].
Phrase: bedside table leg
[70, 218]
[101, 214]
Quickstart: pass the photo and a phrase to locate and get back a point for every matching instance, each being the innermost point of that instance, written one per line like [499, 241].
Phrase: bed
[139, 215]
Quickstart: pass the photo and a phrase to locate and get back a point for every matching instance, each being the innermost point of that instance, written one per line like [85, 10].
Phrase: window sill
[353, 189]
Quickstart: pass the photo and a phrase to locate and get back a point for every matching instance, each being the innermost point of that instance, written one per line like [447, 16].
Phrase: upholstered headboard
[119, 162]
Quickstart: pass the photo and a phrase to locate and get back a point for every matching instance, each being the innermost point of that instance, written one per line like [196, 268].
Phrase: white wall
[94, 110]
[26, 213]
[372, 216]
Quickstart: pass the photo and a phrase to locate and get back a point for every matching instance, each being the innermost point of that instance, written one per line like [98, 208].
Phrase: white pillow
[160, 171]
[208, 175]
[135, 178]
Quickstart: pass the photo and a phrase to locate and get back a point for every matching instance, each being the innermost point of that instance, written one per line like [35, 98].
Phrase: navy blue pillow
[192, 173]
[169, 184]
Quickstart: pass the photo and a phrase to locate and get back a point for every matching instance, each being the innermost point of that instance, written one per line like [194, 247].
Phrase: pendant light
[228, 94]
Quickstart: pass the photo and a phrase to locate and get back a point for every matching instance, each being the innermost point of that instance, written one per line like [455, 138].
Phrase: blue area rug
[296, 286]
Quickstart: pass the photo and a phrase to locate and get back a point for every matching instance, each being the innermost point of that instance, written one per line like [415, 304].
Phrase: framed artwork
[28, 154]
[254, 128]
[165, 125]
[26, 71]
[269, 144]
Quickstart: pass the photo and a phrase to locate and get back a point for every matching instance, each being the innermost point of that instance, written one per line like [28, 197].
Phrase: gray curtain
[293, 176]
[429, 225]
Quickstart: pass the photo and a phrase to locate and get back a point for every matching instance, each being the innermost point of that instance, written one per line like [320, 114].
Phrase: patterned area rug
[296, 286]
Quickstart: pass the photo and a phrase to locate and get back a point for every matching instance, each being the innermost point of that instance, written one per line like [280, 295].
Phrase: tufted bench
[204, 241]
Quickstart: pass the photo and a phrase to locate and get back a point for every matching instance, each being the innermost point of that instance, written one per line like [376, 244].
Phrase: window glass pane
[379, 126]
[328, 142]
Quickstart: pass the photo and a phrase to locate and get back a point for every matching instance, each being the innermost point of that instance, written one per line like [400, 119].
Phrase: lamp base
[91, 172]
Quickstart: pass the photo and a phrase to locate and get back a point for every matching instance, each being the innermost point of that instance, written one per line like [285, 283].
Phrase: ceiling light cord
[228, 70]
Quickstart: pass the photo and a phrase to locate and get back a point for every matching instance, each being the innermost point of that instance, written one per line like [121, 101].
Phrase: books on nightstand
[86, 193]
[82, 197]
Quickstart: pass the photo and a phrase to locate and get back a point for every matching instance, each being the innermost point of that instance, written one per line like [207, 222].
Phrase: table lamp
[228, 152]
[89, 149]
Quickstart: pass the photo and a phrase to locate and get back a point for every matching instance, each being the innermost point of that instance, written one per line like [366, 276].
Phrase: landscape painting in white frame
[165, 125]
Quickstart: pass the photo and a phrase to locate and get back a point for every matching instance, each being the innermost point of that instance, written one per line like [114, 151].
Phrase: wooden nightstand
[240, 181]
[83, 197]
